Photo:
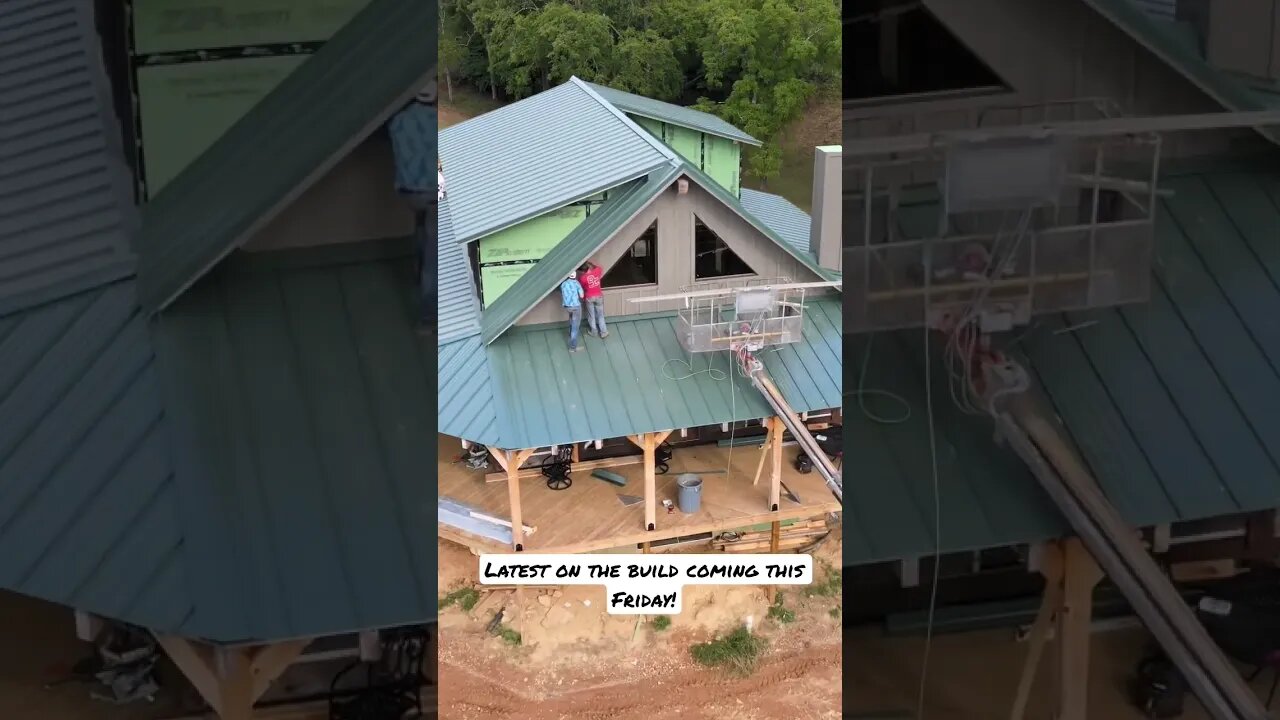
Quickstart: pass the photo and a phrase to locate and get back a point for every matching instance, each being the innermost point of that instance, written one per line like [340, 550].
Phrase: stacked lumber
[791, 537]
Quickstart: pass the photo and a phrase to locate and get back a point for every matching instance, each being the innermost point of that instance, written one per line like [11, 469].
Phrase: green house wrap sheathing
[525, 244]
[722, 161]
[355, 82]
[184, 108]
[545, 276]
[163, 26]
[719, 157]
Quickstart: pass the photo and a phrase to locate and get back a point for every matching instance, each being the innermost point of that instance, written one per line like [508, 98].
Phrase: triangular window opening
[894, 47]
[638, 265]
[712, 258]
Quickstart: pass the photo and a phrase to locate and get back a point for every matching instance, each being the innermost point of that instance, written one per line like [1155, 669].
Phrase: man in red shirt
[590, 275]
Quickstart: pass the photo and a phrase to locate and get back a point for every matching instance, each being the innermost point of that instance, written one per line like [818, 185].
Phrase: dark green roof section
[1168, 41]
[67, 215]
[300, 398]
[1174, 404]
[580, 243]
[624, 385]
[666, 112]
[334, 100]
[87, 496]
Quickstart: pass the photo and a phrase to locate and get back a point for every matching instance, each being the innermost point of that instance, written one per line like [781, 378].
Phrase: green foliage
[511, 637]
[829, 586]
[737, 652]
[465, 598]
[661, 622]
[755, 63]
[834, 612]
[778, 611]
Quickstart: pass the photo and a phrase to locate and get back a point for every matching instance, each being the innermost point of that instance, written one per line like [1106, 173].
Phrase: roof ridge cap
[667, 152]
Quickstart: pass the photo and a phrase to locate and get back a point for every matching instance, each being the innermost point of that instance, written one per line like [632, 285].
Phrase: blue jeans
[595, 316]
[575, 322]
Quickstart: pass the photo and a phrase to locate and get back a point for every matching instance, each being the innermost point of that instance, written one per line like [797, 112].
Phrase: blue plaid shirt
[413, 140]
[571, 293]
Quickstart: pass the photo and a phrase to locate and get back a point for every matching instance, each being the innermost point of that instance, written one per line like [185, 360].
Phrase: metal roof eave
[1150, 34]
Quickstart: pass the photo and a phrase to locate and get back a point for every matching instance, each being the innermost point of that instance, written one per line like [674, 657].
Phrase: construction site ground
[972, 676]
[577, 662]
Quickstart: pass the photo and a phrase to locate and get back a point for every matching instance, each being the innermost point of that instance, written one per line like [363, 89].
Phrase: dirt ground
[576, 662]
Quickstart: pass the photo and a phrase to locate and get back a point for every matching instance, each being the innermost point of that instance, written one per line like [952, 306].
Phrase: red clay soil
[783, 686]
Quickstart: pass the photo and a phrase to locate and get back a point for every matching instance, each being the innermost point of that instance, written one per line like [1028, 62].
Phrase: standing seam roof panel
[536, 155]
[376, 62]
[456, 291]
[672, 114]
[66, 214]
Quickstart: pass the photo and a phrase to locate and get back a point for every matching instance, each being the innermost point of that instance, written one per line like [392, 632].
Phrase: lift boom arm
[1117, 549]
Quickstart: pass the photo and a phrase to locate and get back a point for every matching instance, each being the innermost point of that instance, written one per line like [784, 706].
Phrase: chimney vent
[824, 227]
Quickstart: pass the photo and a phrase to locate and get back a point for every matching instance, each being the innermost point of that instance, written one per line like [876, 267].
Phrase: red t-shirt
[591, 282]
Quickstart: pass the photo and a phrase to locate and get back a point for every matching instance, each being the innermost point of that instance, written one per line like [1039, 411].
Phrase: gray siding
[675, 214]
[1243, 35]
[1048, 52]
[356, 201]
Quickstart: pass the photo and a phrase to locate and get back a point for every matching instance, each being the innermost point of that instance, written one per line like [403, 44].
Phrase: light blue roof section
[673, 114]
[456, 292]
[538, 154]
[786, 220]
[465, 399]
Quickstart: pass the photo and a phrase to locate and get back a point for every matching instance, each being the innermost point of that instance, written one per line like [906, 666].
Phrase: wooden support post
[511, 460]
[1050, 565]
[235, 683]
[649, 442]
[1080, 574]
[775, 480]
[231, 680]
[650, 483]
[764, 453]
[775, 536]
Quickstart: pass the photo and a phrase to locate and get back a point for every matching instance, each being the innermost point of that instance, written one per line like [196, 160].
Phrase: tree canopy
[755, 63]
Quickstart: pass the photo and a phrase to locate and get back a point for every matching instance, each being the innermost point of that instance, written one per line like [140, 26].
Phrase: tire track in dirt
[689, 695]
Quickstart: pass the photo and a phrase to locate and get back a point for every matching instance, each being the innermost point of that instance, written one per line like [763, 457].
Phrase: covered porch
[741, 487]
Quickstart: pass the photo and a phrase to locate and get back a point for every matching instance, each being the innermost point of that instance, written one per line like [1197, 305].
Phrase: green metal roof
[673, 114]
[588, 237]
[289, 140]
[538, 154]
[456, 297]
[88, 501]
[1175, 404]
[1167, 41]
[300, 404]
[546, 395]
[66, 204]
[787, 221]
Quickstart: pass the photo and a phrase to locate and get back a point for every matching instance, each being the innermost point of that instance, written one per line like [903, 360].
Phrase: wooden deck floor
[588, 516]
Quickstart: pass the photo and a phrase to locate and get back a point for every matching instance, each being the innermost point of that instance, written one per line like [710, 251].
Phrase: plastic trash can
[689, 492]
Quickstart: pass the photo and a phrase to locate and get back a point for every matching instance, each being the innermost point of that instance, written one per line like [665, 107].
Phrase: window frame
[693, 254]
